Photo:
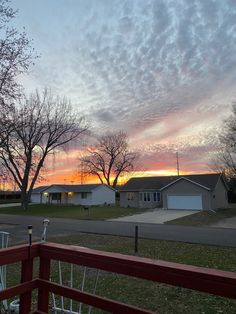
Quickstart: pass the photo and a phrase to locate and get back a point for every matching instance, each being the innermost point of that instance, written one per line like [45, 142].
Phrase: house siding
[102, 195]
[187, 188]
[124, 202]
[98, 196]
[77, 199]
[36, 198]
[136, 202]
[220, 196]
[39, 198]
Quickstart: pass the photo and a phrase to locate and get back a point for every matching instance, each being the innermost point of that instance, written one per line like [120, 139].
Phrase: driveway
[158, 216]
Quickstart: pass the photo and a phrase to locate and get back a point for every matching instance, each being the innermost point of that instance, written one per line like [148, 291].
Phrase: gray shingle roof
[40, 189]
[157, 183]
[78, 187]
[69, 187]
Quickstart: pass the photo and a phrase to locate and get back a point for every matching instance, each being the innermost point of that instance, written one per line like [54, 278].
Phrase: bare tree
[16, 55]
[29, 133]
[109, 158]
[225, 160]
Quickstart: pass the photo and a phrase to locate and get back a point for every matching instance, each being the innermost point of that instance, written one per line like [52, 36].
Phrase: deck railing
[212, 281]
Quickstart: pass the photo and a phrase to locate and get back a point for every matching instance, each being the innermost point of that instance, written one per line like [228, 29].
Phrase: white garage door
[193, 202]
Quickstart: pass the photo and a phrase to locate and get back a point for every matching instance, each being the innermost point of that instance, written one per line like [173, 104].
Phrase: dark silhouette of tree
[32, 130]
[225, 161]
[109, 158]
[16, 55]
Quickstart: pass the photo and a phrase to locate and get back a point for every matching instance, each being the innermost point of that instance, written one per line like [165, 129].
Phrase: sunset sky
[164, 71]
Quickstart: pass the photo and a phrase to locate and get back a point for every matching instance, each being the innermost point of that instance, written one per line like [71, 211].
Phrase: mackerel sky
[164, 71]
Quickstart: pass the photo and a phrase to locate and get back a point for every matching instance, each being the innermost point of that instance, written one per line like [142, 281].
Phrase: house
[83, 194]
[194, 192]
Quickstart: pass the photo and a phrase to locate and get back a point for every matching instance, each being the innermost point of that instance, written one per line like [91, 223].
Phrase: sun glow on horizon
[78, 178]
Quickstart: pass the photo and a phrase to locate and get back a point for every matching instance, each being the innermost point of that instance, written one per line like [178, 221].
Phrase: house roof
[78, 187]
[70, 187]
[207, 181]
[40, 189]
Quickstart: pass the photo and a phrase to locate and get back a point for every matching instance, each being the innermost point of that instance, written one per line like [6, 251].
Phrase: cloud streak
[162, 70]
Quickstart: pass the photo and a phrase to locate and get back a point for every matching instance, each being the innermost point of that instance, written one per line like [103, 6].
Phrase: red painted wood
[17, 253]
[197, 278]
[26, 276]
[17, 290]
[203, 279]
[43, 295]
[90, 299]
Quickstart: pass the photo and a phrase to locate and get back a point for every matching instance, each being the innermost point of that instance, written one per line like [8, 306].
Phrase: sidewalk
[10, 205]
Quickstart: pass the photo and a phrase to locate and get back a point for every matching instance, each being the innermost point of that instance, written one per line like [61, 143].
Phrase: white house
[83, 194]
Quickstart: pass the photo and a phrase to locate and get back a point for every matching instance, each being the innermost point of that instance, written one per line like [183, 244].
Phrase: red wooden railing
[212, 281]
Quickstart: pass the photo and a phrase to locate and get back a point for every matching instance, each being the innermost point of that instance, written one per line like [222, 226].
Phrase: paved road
[17, 226]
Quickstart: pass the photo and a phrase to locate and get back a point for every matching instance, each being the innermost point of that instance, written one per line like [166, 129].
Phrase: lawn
[160, 298]
[72, 211]
[204, 218]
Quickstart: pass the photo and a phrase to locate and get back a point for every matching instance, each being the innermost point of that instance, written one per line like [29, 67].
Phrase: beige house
[190, 192]
[83, 194]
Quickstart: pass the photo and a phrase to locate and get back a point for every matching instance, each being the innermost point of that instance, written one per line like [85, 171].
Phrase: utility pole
[82, 174]
[177, 163]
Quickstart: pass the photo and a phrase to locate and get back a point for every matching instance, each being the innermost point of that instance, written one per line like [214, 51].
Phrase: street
[17, 227]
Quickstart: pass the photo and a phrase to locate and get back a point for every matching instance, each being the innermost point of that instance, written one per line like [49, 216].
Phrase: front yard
[204, 218]
[72, 211]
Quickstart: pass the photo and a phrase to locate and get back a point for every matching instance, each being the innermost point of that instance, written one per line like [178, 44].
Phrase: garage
[193, 202]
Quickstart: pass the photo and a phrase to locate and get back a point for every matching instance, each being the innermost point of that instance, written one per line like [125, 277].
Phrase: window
[130, 196]
[141, 196]
[156, 196]
[83, 195]
[56, 196]
[146, 197]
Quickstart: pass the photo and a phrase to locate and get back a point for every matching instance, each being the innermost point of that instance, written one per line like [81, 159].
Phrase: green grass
[204, 218]
[145, 294]
[71, 211]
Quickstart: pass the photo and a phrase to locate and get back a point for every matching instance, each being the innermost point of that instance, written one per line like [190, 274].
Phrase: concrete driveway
[158, 216]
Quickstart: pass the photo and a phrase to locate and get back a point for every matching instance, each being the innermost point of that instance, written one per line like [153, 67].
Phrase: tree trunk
[24, 199]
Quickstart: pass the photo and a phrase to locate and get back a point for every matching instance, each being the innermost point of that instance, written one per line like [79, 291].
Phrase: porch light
[45, 193]
[70, 193]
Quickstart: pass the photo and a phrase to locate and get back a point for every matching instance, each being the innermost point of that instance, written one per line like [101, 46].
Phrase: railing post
[43, 295]
[136, 240]
[26, 275]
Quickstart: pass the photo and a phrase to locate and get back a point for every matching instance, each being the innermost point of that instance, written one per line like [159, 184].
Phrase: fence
[212, 281]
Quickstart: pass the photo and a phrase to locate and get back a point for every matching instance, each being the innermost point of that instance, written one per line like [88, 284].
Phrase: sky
[164, 71]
